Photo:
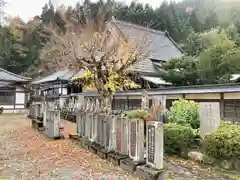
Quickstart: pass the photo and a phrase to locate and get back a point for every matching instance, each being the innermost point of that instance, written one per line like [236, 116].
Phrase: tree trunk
[106, 103]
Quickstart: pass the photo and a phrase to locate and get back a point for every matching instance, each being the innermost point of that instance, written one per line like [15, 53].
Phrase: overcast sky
[26, 9]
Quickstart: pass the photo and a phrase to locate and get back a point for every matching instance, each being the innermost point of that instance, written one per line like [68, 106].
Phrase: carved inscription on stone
[102, 140]
[118, 135]
[133, 138]
[151, 143]
[107, 128]
[99, 128]
[83, 123]
[209, 117]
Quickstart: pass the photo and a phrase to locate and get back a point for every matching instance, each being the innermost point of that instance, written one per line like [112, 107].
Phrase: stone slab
[41, 129]
[130, 165]
[147, 173]
[115, 158]
[103, 153]
[85, 142]
[54, 138]
[75, 137]
[93, 147]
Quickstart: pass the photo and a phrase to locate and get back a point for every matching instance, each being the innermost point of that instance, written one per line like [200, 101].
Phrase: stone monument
[121, 146]
[209, 115]
[135, 146]
[95, 140]
[86, 125]
[52, 129]
[155, 148]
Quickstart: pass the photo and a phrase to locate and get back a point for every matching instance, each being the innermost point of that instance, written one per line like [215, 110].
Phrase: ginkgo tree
[105, 57]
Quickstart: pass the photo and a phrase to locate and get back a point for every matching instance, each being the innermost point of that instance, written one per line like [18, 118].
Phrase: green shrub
[136, 114]
[224, 143]
[178, 138]
[185, 112]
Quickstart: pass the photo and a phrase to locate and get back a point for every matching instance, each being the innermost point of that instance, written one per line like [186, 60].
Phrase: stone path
[26, 154]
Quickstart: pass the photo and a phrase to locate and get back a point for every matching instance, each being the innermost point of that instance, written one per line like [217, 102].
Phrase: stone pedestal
[75, 137]
[115, 158]
[94, 147]
[148, 173]
[103, 153]
[129, 165]
[85, 142]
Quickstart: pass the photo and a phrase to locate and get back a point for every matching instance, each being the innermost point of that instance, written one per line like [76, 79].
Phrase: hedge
[178, 138]
[185, 112]
[224, 143]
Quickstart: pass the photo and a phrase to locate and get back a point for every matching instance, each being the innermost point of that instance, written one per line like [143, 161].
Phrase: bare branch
[104, 55]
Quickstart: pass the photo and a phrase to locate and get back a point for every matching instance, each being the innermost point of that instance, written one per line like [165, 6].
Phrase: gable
[161, 46]
[9, 76]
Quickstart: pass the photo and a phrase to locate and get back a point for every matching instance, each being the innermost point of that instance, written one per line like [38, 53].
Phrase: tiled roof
[9, 76]
[4, 83]
[161, 45]
[155, 80]
[64, 74]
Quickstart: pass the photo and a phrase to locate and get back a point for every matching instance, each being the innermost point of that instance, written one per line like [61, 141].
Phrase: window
[7, 98]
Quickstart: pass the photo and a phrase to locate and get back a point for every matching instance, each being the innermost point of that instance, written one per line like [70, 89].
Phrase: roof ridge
[16, 75]
[125, 23]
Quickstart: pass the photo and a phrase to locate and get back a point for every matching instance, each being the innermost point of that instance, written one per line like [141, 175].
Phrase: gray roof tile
[64, 74]
[9, 76]
[161, 45]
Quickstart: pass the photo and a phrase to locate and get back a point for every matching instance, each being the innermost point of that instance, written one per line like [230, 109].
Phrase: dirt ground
[26, 154]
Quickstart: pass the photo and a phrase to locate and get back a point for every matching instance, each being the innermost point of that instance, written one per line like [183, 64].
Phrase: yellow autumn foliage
[114, 83]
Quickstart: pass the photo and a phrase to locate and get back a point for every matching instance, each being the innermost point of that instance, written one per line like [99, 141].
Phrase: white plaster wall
[64, 91]
[19, 107]
[20, 98]
[7, 106]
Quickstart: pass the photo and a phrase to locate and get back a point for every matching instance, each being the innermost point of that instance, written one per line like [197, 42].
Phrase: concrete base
[84, 142]
[115, 158]
[41, 129]
[130, 165]
[94, 147]
[54, 138]
[37, 124]
[147, 173]
[103, 153]
[75, 137]
[58, 137]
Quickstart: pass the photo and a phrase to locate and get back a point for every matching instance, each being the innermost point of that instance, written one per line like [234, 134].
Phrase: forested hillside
[207, 30]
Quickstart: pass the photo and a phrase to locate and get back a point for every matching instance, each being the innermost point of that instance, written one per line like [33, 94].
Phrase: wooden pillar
[222, 105]
[183, 96]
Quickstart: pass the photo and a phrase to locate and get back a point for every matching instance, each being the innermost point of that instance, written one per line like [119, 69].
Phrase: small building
[13, 92]
[57, 84]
